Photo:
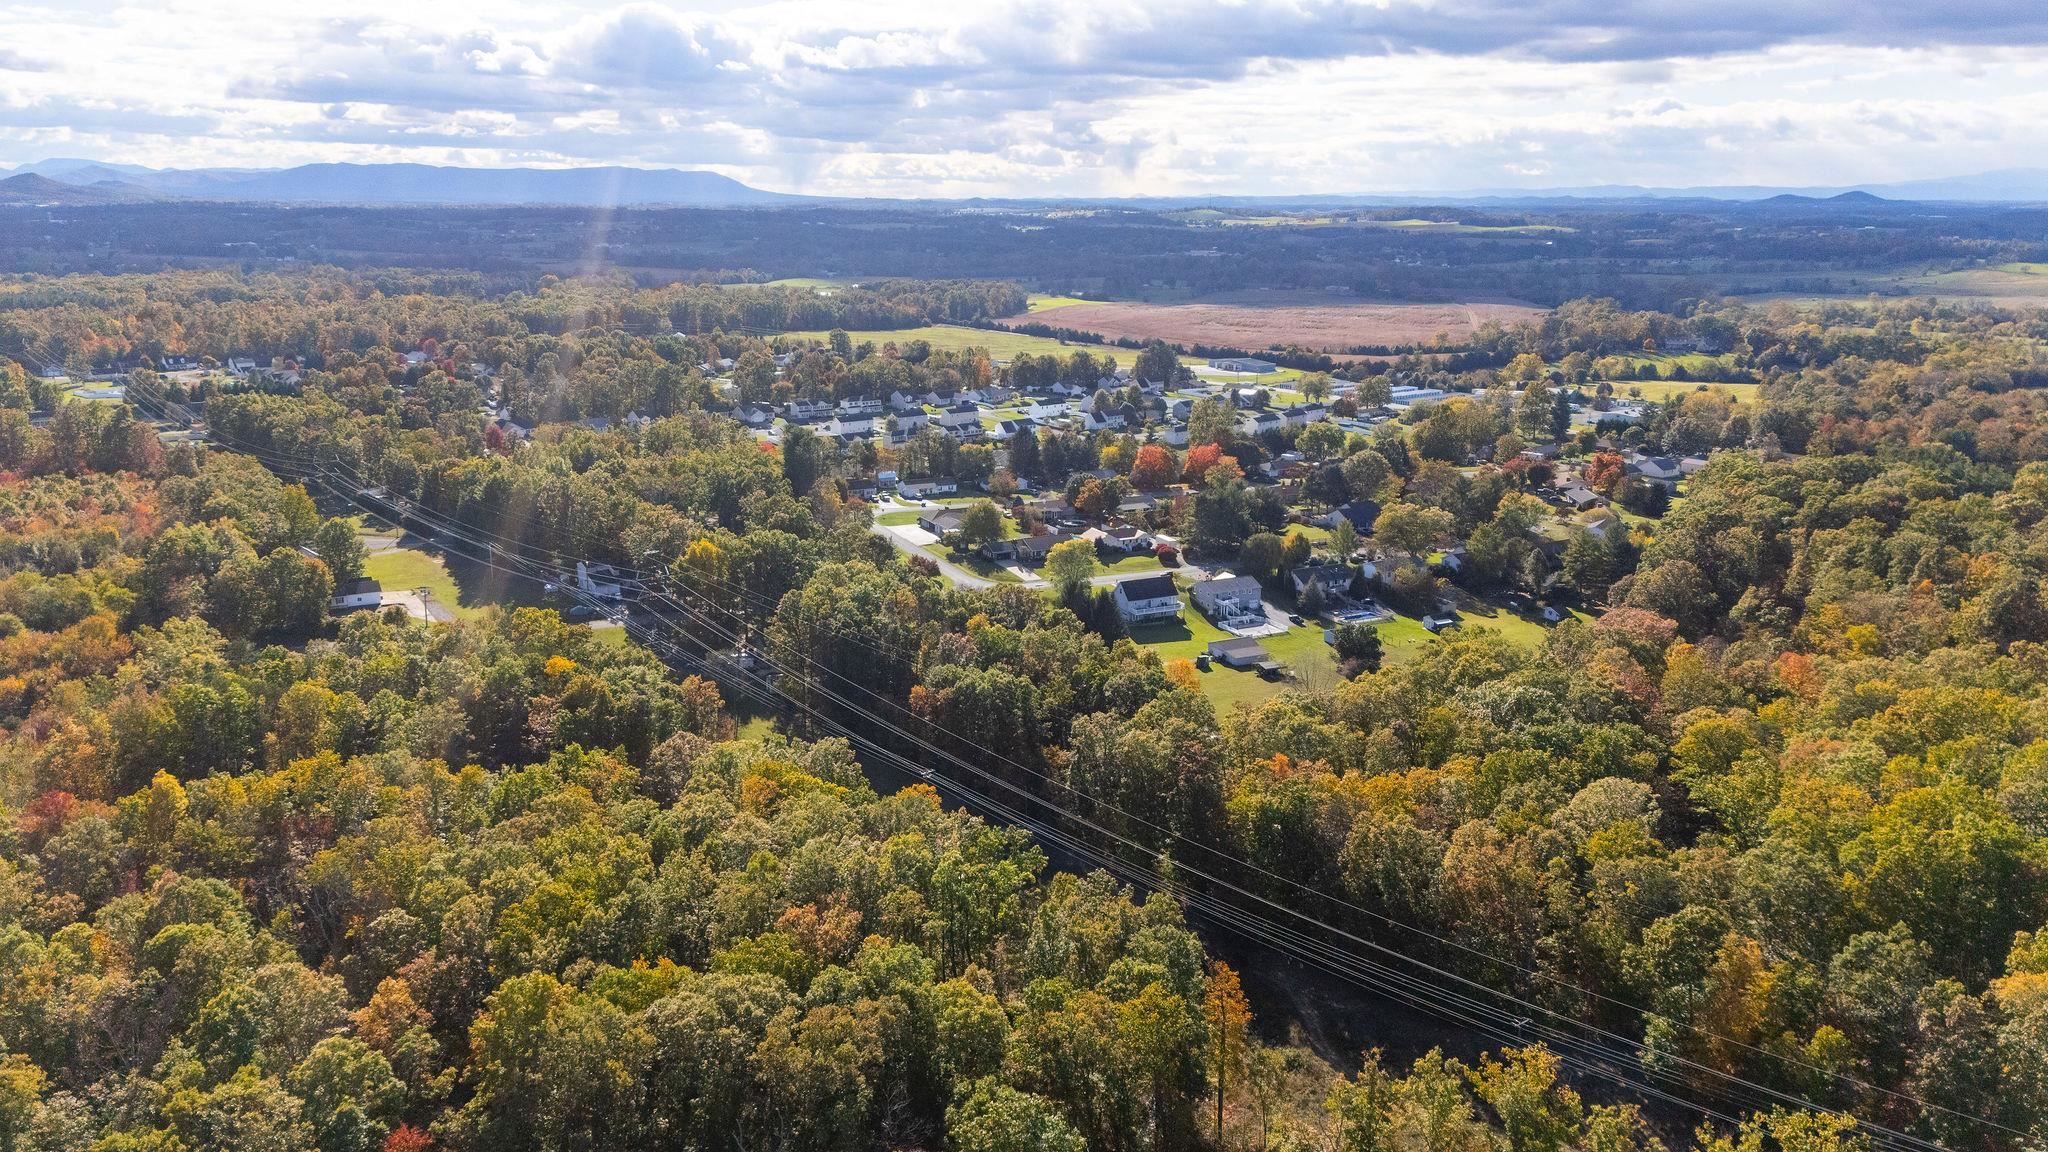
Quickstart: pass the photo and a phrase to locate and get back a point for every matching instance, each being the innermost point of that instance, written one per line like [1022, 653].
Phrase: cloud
[14, 61]
[1087, 96]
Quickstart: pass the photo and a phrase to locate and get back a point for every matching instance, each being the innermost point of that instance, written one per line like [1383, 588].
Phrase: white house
[599, 580]
[1125, 538]
[1230, 598]
[1253, 423]
[925, 489]
[361, 592]
[1147, 598]
[960, 423]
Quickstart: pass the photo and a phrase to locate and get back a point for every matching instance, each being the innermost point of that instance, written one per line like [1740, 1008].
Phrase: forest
[1775, 811]
[1646, 253]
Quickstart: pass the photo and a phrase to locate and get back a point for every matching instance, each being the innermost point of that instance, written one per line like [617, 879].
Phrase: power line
[459, 531]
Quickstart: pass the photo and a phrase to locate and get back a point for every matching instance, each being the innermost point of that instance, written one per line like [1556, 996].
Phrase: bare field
[1263, 319]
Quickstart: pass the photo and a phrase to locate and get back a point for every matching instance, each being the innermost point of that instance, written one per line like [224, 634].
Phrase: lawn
[1135, 562]
[1303, 649]
[979, 565]
[897, 519]
[407, 568]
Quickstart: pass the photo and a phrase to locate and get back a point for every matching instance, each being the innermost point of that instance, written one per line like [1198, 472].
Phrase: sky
[1049, 97]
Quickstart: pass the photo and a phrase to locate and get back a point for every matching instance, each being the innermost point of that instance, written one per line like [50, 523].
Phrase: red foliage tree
[1153, 467]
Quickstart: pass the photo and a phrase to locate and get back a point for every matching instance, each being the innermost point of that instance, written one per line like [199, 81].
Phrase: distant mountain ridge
[374, 184]
[424, 184]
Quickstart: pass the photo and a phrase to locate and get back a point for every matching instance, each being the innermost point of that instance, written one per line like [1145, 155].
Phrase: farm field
[1000, 344]
[1254, 320]
[1005, 345]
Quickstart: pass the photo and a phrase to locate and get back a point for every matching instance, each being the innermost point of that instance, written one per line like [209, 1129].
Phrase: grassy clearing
[1303, 649]
[611, 636]
[1119, 565]
[408, 568]
[1004, 345]
[1664, 390]
[812, 282]
[897, 519]
[1001, 345]
[1039, 303]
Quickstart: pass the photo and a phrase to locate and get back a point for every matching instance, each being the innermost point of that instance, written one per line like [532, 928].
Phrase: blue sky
[1101, 97]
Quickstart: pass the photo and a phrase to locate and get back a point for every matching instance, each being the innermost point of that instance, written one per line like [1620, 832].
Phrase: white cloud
[1052, 96]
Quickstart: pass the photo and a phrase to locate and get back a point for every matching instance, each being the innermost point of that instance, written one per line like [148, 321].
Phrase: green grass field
[1663, 390]
[1010, 345]
[1120, 565]
[978, 565]
[1303, 649]
[1040, 303]
[897, 519]
[407, 568]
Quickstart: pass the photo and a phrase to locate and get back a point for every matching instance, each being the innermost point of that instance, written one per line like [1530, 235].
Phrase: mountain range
[68, 181]
[87, 182]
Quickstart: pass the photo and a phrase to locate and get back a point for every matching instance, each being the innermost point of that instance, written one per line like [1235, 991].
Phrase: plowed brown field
[1264, 319]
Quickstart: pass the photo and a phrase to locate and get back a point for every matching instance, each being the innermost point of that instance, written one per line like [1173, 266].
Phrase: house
[925, 489]
[1333, 579]
[1175, 436]
[1230, 598]
[941, 521]
[1660, 468]
[904, 402]
[1147, 598]
[1124, 538]
[599, 580]
[1244, 364]
[1303, 415]
[1095, 421]
[808, 411]
[886, 478]
[755, 415]
[962, 423]
[1581, 499]
[907, 426]
[1179, 409]
[1011, 429]
[1241, 652]
[848, 427]
[1361, 513]
[1541, 452]
[1026, 549]
[1253, 423]
[855, 406]
[361, 592]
